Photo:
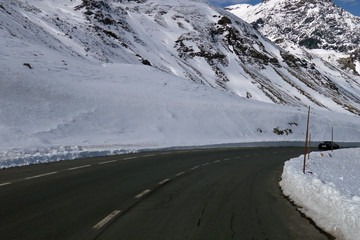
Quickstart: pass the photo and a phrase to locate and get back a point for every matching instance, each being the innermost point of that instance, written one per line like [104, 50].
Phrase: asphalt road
[187, 194]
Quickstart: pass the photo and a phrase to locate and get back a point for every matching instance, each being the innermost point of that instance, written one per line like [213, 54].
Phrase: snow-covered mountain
[319, 27]
[189, 39]
[78, 75]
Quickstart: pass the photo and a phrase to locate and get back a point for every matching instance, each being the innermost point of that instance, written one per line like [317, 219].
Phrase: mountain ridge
[314, 26]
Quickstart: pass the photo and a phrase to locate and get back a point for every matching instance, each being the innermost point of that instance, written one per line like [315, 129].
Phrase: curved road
[188, 194]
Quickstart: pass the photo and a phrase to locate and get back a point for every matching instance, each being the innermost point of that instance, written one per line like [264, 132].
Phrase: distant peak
[301, 1]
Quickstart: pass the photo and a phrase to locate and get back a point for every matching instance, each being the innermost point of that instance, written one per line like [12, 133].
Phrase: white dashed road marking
[75, 168]
[143, 193]
[4, 184]
[100, 163]
[149, 155]
[164, 181]
[106, 219]
[179, 174]
[195, 167]
[129, 158]
[41, 175]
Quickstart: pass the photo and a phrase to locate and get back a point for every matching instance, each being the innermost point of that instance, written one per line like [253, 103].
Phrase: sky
[352, 6]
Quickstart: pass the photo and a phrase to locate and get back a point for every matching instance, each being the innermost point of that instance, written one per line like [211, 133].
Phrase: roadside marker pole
[332, 139]
[306, 139]
[309, 146]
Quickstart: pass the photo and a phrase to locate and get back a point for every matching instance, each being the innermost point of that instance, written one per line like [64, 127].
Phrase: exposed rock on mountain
[319, 26]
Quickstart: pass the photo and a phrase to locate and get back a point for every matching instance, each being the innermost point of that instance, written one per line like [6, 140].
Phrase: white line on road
[75, 168]
[149, 155]
[143, 193]
[100, 163]
[226, 159]
[206, 164]
[217, 161]
[195, 167]
[164, 181]
[129, 158]
[4, 184]
[41, 175]
[106, 219]
[179, 174]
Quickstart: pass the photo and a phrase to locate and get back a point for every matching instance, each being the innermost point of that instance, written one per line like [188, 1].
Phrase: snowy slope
[318, 27]
[329, 192]
[57, 111]
[99, 77]
[192, 40]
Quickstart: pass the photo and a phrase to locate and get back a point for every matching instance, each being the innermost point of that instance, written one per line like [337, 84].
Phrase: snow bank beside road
[329, 192]
[21, 157]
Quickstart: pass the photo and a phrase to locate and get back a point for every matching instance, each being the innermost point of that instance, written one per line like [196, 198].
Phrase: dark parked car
[327, 145]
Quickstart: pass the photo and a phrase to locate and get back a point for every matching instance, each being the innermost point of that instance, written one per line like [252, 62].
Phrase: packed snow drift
[329, 192]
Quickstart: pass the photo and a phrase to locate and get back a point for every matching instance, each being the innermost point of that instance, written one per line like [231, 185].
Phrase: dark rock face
[310, 43]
